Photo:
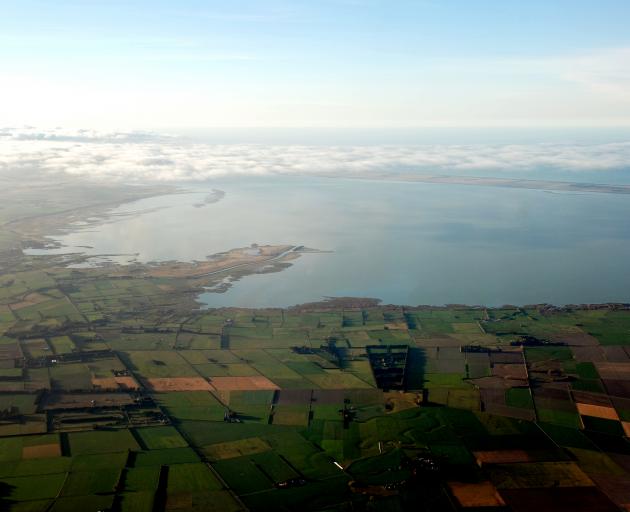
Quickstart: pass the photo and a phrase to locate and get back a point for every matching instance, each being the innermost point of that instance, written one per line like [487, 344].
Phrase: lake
[404, 243]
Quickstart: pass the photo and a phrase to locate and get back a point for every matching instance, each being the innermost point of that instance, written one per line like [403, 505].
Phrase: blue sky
[321, 63]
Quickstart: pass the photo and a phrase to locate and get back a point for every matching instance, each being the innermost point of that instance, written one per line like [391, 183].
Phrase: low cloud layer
[146, 157]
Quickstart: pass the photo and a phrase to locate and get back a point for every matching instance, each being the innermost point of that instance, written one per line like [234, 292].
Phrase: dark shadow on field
[138, 439]
[5, 491]
[416, 365]
[65, 444]
[246, 417]
[159, 501]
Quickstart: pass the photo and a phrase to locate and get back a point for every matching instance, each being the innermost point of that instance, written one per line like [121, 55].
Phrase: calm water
[405, 243]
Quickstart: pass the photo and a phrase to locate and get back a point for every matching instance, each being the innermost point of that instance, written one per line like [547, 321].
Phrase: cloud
[30, 133]
[145, 157]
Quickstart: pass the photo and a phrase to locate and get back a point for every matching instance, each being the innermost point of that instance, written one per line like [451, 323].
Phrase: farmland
[487, 408]
[118, 392]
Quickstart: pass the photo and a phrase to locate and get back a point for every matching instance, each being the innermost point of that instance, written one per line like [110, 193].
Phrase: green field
[101, 441]
[155, 438]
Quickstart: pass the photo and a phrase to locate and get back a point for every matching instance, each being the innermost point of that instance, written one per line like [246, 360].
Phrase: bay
[404, 243]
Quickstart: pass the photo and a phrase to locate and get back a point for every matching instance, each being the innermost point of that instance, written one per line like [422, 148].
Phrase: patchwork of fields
[118, 393]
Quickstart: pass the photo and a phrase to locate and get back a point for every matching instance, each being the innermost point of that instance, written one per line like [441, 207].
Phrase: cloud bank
[147, 157]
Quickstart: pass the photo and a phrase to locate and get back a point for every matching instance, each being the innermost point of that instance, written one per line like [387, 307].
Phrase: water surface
[405, 243]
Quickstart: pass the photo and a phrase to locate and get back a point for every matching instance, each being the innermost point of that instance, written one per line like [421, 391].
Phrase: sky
[361, 64]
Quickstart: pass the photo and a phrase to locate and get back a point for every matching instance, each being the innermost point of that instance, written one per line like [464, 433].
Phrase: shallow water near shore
[404, 243]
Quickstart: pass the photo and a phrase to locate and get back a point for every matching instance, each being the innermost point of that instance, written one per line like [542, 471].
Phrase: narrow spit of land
[551, 186]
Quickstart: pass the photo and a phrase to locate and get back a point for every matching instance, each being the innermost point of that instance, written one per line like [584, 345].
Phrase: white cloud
[30, 133]
[146, 157]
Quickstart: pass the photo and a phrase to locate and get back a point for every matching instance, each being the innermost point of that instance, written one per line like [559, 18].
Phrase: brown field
[577, 338]
[11, 350]
[84, 400]
[588, 354]
[41, 451]
[401, 326]
[567, 499]
[115, 383]
[585, 397]
[501, 456]
[437, 341]
[597, 411]
[508, 357]
[401, 401]
[618, 388]
[498, 383]
[614, 371]
[29, 300]
[510, 371]
[616, 354]
[616, 487]
[294, 397]
[482, 494]
[178, 384]
[538, 475]
[511, 412]
[495, 396]
[242, 383]
[553, 391]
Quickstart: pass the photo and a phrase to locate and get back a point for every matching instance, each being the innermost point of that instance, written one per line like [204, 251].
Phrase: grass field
[155, 438]
[562, 418]
[519, 397]
[191, 477]
[288, 376]
[101, 441]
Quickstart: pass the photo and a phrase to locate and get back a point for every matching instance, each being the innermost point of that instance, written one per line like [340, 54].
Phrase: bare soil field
[588, 354]
[510, 371]
[597, 411]
[511, 412]
[567, 499]
[613, 371]
[482, 494]
[502, 456]
[41, 451]
[112, 383]
[616, 387]
[584, 397]
[616, 354]
[514, 357]
[178, 384]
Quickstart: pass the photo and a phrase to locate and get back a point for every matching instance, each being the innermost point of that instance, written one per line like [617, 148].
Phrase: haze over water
[404, 243]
